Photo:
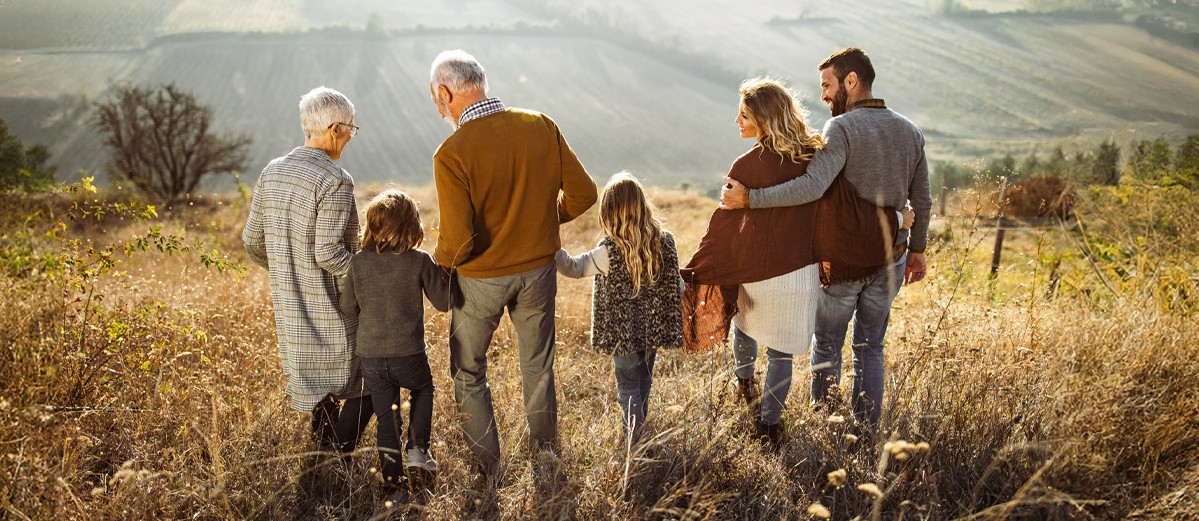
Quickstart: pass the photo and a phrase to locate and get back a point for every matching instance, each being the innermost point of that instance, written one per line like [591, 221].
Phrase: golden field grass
[165, 401]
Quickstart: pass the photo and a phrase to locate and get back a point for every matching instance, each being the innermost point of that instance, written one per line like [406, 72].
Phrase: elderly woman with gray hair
[303, 228]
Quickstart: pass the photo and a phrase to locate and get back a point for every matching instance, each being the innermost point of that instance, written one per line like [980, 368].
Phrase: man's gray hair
[459, 71]
[322, 107]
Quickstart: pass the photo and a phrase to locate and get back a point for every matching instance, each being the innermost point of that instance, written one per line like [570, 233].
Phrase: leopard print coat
[622, 323]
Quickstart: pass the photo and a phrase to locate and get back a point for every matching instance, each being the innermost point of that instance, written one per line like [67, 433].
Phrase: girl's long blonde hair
[628, 218]
[392, 223]
[780, 119]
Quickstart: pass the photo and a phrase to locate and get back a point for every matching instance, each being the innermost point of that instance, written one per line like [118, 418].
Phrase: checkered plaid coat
[302, 228]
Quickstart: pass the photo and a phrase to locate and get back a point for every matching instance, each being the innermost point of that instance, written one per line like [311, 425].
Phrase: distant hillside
[977, 84]
[649, 87]
[619, 110]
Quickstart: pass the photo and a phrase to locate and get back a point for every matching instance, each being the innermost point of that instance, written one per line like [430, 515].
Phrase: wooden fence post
[998, 231]
[944, 194]
[995, 254]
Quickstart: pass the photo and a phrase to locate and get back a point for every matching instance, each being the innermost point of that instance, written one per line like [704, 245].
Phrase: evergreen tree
[1004, 166]
[1150, 160]
[1106, 166]
[20, 167]
[1056, 164]
[1188, 154]
[1031, 165]
[1186, 163]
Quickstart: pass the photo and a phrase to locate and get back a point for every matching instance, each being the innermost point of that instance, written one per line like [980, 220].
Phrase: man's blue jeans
[528, 298]
[634, 377]
[868, 303]
[778, 374]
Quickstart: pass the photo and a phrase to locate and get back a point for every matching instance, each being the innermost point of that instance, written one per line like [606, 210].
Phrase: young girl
[635, 301]
[383, 288]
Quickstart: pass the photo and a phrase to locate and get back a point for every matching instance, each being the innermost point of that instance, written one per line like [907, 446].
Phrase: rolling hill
[649, 87]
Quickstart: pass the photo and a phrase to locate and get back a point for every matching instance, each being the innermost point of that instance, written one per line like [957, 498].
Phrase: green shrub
[23, 168]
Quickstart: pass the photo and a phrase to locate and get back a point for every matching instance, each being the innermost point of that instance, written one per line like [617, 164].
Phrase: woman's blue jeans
[634, 376]
[778, 374]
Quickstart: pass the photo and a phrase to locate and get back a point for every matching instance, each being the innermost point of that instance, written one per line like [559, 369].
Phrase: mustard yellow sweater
[504, 184]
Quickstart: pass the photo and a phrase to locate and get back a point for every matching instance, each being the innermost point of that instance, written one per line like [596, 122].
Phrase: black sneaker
[397, 498]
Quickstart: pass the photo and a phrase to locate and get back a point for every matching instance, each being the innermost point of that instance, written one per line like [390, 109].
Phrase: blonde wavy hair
[628, 218]
[392, 223]
[781, 120]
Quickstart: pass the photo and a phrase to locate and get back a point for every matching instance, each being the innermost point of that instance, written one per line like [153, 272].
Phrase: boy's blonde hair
[392, 223]
[628, 218]
[780, 119]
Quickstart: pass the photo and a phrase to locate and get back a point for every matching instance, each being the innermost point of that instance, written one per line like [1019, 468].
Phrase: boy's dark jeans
[385, 377]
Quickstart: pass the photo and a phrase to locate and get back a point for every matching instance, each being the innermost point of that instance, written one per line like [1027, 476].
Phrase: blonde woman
[635, 300]
[761, 268]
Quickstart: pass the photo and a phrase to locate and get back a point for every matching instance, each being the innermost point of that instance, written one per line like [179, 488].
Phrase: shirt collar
[479, 109]
[869, 103]
[310, 152]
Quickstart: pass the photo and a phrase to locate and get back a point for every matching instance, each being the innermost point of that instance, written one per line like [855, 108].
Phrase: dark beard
[840, 100]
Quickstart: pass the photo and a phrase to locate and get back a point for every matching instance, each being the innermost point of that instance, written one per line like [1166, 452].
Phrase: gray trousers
[529, 299]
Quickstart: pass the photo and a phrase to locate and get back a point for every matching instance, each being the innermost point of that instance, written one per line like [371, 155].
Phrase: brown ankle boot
[747, 389]
[769, 436]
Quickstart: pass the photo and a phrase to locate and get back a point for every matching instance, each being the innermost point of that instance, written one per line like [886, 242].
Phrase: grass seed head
[819, 511]
[836, 478]
[871, 488]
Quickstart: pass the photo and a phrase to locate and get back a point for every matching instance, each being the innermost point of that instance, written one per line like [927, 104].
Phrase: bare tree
[161, 140]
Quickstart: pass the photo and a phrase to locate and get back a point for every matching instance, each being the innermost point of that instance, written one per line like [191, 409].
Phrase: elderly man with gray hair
[303, 228]
[506, 179]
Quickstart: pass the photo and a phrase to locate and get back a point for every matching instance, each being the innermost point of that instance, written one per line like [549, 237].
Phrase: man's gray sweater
[384, 291]
[882, 155]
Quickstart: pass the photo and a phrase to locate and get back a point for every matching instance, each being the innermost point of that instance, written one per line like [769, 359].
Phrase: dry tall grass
[166, 401]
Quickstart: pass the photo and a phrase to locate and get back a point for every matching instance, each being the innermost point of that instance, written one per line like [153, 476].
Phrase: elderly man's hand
[734, 195]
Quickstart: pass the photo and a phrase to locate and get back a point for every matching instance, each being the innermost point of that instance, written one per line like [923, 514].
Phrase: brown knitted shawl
[850, 237]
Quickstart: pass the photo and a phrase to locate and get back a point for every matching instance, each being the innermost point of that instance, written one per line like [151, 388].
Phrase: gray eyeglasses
[353, 128]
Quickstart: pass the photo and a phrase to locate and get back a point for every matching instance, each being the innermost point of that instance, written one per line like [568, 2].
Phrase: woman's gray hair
[459, 71]
[322, 107]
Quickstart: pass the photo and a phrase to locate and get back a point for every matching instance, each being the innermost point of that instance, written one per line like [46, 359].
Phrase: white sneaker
[419, 458]
[421, 470]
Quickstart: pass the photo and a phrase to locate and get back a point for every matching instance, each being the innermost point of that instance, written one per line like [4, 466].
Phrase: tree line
[162, 142]
[1040, 185]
